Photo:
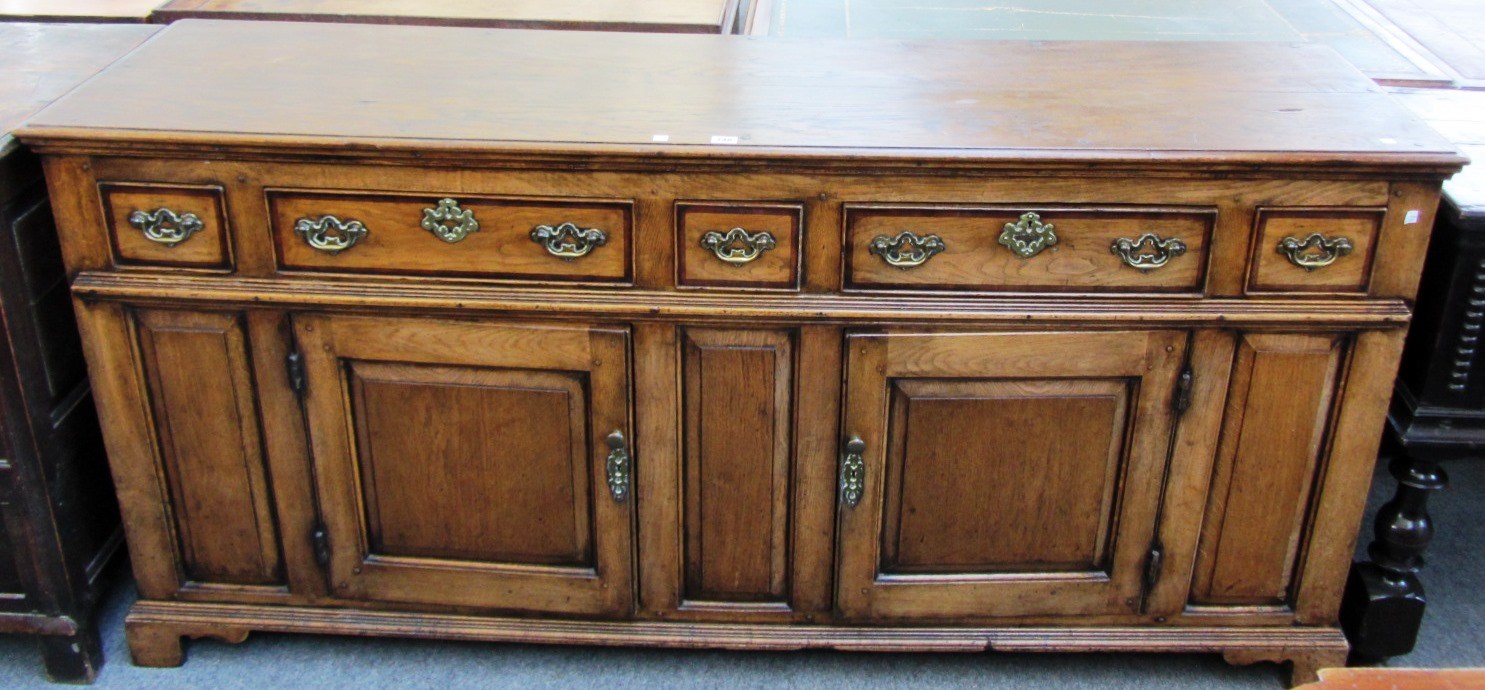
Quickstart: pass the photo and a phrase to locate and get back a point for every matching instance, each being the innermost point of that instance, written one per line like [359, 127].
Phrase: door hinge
[294, 363]
[1153, 561]
[1182, 399]
[321, 540]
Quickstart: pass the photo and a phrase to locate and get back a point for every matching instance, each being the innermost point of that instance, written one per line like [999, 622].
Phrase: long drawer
[583, 240]
[1045, 248]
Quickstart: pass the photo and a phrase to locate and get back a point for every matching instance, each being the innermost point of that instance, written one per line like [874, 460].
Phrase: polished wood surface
[59, 524]
[1052, 452]
[44, 61]
[668, 16]
[297, 84]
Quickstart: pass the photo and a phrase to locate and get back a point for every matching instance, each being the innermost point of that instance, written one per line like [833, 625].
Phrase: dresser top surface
[680, 15]
[340, 87]
[43, 61]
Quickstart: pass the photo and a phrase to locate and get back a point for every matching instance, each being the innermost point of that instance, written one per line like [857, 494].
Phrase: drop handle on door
[617, 466]
[853, 472]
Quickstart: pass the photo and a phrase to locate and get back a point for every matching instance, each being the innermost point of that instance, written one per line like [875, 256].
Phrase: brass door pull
[738, 246]
[616, 467]
[1315, 251]
[165, 226]
[907, 249]
[567, 241]
[330, 234]
[1147, 252]
[1028, 236]
[449, 222]
[853, 472]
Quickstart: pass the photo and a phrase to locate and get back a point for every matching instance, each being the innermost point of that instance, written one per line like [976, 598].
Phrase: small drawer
[467, 236]
[167, 225]
[1324, 250]
[1027, 248]
[738, 245]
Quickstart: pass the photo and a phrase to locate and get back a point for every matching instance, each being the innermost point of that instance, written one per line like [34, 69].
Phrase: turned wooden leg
[73, 658]
[154, 645]
[1383, 604]
[1304, 664]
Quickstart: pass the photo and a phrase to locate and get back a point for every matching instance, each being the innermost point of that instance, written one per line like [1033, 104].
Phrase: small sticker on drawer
[1411, 217]
[660, 138]
[722, 139]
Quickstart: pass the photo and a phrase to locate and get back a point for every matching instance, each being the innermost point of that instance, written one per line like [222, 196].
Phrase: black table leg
[1384, 601]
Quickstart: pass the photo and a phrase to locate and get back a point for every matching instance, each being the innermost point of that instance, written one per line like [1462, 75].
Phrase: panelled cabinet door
[1003, 474]
[466, 464]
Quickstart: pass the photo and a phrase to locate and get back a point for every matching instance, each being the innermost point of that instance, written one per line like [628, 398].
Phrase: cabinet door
[1006, 474]
[473, 465]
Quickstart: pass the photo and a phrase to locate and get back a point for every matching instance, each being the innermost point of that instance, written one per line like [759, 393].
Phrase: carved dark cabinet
[59, 523]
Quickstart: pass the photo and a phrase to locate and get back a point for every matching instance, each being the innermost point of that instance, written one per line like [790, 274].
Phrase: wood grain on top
[481, 89]
[43, 61]
[683, 16]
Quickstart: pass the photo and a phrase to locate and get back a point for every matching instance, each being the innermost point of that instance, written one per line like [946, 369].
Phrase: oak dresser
[59, 526]
[724, 342]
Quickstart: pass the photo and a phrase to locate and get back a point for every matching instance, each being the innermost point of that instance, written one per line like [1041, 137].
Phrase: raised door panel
[206, 427]
[1002, 474]
[1282, 392]
[738, 392]
[472, 465]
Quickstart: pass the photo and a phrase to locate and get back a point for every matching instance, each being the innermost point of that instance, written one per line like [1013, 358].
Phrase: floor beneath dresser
[1453, 636]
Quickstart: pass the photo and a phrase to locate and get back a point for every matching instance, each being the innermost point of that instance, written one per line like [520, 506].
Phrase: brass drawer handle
[330, 234]
[449, 222]
[616, 467]
[1314, 251]
[567, 241]
[738, 246]
[1147, 252]
[907, 250]
[1028, 236]
[853, 472]
[165, 226]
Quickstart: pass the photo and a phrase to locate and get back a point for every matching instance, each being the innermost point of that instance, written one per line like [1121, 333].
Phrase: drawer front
[1013, 248]
[743, 246]
[1314, 249]
[167, 225]
[511, 238]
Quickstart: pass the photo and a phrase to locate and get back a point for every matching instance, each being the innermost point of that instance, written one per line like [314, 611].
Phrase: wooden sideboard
[59, 525]
[710, 342]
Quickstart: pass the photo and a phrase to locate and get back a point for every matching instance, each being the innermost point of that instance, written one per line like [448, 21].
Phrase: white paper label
[660, 137]
[719, 139]
[1411, 217]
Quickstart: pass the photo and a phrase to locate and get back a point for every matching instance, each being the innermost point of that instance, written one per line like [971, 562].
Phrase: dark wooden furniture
[1438, 408]
[665, 16]
[59, 525]
[91, 11]
[718, 342]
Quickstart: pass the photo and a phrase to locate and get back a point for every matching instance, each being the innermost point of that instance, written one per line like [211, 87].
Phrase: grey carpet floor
[1453, 636]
